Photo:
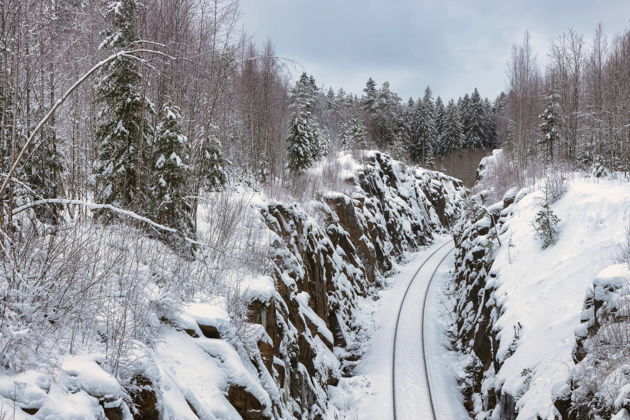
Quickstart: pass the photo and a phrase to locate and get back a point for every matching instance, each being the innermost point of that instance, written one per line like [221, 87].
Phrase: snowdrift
[521, 307]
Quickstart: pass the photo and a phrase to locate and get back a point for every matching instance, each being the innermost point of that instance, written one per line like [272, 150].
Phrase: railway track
[398, 318]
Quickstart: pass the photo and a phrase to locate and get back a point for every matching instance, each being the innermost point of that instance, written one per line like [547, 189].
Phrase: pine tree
[440, 120]
[550, 126]
[474, 134]
[452, 132]
[353, 134]
[169, 181]
[420, 147]
[211, 166]
[124, 134]
[304, 143]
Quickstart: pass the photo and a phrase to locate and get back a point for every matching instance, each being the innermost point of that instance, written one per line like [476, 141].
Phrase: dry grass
[326, 175]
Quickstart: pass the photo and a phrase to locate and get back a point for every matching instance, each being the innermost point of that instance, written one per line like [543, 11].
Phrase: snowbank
[530, 299]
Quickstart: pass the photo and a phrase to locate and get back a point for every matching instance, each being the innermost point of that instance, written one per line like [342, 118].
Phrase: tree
[489, 124]
[384, 115]
[550, 127]
[169, 180]
[546, 225]
[124, 134]
[43, 172]
[452, 132]
[440, 120]
[429, 117]
[399, 145]
[353, 134]
[474, 122]
[211, 165]
[422, 130]
[304, 143]
[368, 100]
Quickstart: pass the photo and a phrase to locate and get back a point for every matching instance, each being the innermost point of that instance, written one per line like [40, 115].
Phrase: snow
[207, 314]
[543, 290]
[260, 288]
[443, 364]
[198, 377]
[376, 366]
[90, 377]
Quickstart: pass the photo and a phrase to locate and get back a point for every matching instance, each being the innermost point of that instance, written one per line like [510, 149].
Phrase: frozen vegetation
[263, 318]
[191, 229]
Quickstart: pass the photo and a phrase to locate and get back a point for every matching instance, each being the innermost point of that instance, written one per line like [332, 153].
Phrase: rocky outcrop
[300, 333]
[478, 308]
[323, 264]
[599, 384]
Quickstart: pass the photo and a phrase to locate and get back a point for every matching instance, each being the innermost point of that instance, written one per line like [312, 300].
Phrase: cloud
[453, 46]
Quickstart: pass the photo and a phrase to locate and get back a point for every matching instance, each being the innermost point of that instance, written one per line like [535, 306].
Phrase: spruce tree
[489, 124]
[546, 225]
[330, 97]
[550, 127]
[422, 130]
[353, 134]
[475, 136]
[368, 101]
[42, 172]
[429, 111]
[169, 180]
[452, 132]
[211, 164]
[124, 134]
[303, 140]
[440, 120]
[463, 104]
[385, 114]
[398, 147]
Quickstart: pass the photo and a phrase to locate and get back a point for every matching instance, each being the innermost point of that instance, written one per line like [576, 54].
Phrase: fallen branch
[96, 206]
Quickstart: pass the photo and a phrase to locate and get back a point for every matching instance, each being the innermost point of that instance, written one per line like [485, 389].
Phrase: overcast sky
[452, 46]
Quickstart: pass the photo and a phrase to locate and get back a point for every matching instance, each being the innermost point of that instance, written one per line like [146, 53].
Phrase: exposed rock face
[600, 352]
[322, 267]
[478, 308]
[302, 333]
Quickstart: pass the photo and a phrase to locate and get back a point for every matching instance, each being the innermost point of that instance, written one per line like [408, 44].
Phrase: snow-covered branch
[60, 101]
[117, 210]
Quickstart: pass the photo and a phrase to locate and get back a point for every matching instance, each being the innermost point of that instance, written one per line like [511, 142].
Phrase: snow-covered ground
[375, 369]
[443, 365]
[543, 289]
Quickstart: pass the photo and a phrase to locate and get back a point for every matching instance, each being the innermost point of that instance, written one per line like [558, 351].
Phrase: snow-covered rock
[300, 334]
[520, 307]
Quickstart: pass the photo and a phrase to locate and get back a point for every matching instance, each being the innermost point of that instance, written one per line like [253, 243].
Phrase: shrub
[546, 225]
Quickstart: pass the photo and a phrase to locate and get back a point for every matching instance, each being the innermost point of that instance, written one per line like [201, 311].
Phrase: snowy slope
[543, 289]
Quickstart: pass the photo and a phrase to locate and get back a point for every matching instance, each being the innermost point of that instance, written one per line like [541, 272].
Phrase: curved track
[398, 318]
